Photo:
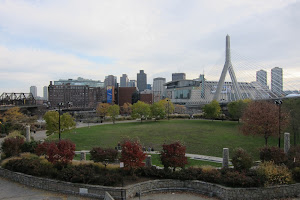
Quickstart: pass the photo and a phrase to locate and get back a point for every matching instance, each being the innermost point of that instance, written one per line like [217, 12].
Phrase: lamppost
[59, 105]
[168, 109]
[278, 102]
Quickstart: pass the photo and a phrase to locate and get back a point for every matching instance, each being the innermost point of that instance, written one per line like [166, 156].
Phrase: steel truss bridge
[17, 99]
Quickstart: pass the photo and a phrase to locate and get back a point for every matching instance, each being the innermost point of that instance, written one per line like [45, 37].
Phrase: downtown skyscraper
[277, 80]
[142, 81]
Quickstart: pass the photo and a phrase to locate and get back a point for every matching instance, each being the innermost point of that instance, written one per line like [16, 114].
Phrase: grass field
[203, 137]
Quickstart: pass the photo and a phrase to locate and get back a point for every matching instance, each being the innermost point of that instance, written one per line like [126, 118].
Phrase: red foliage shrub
[12, 146]
[132, 154]
[274, 154]
[61, 153]
[173, 155]
[238, 179]
[99, 154]
[42, 149]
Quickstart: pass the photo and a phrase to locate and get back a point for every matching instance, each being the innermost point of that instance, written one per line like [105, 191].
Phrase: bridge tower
[227, 67]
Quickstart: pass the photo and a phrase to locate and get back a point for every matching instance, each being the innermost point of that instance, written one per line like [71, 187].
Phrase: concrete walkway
[10, 190]
[173, 196]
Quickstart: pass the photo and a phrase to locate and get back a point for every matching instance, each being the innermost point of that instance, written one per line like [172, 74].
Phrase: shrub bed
[83, 173]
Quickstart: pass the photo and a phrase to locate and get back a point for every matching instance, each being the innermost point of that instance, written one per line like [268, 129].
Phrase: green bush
[274, 174]
[274, 154]
[29, 146]
[33, 166]
[296, 174]
[78, 174]
[178, 116]
[293, 157]
[90, 174]
[241, 160]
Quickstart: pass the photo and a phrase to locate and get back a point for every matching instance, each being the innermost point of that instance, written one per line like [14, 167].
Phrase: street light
[278, 102]
[59, 105]
[168, 109]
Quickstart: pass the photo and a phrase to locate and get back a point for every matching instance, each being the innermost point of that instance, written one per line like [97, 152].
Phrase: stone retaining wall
[64, 187]
[211, 189]
[154, 186]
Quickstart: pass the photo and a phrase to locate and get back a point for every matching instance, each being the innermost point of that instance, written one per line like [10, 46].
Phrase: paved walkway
[10, 190]
[173, 196]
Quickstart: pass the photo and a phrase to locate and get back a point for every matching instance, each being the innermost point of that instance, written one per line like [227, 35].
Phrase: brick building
[81, 96]
[147, 98]
[125, 95]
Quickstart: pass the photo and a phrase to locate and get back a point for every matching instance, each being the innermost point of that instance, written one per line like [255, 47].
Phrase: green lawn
[203, 137]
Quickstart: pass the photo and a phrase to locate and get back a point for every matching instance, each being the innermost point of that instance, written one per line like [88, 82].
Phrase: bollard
[225, 163]
[82, 156]
[287, 142]
[27, 133]
[148, 161]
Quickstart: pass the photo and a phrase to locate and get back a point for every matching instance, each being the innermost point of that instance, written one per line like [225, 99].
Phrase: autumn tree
[140, 110]
[126, 108]
[102, 109]
[173, 155]
[61, 152]
[236, 108]
[212, 110]
[113, 112]
[12, 119]
[262, 118]
[132, 154]
[157, 111]
[67, 122]
[168, 105]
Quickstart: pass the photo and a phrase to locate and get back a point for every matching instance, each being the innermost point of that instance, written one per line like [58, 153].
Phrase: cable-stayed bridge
[246, 80]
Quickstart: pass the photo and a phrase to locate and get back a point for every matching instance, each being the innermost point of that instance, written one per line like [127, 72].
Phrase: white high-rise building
[277, 81]
[45, 93]
[158, 88]
[33, 91]
[261, 78]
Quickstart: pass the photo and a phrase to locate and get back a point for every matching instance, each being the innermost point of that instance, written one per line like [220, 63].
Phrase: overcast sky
[43, 41]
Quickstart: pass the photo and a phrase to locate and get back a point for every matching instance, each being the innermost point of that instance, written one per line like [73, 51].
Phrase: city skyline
[94, 39]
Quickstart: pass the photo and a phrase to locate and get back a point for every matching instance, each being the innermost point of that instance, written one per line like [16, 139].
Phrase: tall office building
[276, 80]
[45, 93]
[261, 78]
[33, 91]
[142, 81]
[124, 80]
[178, 76]
[110, 80]
[158, 88]
[132, 83]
